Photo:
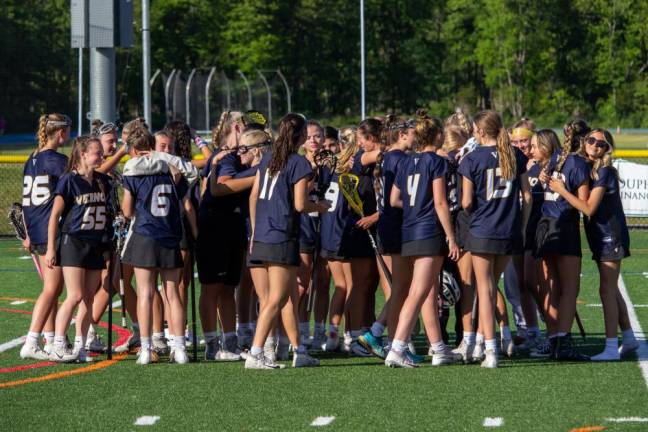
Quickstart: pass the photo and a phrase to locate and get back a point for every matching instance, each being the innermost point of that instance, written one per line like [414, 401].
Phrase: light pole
[362, 63]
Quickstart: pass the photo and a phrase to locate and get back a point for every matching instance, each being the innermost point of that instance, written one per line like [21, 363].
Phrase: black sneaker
[566, 352]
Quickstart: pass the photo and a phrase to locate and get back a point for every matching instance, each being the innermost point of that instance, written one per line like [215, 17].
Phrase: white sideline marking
[146, 420]
[628, 420]
[493, 421]
[642, 352]
[25, 257]
[322, 421]
[116, 304]
[600, 305]
[13, 343]
[18, 302]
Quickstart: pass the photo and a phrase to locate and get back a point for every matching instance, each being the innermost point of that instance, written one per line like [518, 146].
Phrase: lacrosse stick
[121, 231]
[16, 220]
[349, 187]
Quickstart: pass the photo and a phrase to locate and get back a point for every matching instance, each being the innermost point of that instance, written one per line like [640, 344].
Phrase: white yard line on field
[600, 305]
[322, 421]
[146, 420]
[627, 420]
[493, 422]
[13, 344]
[17, 302]
[642, 352]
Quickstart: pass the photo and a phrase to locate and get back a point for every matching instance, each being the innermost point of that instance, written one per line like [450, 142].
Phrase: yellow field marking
[64, 374]
[589, 429]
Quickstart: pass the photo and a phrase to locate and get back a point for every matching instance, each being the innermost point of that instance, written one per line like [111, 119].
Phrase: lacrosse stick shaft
[193, 307]
[111, 268]
[122, 293]
[312, 287]
[38, 267]
[473, 313]
[581, 329]
[381, 261]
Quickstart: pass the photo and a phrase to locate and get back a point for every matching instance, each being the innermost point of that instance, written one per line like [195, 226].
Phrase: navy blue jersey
[334, 220]
[496, 209]
[157, 208]
[308, 224]
[608, 224]
[85, 212]
[40, 176]
[574, 172]
[391, 218]
[276, 220]
[414, 180]
[537, 195]
[229, 166]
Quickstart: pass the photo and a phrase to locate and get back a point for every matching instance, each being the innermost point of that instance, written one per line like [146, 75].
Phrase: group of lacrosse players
[304, 222]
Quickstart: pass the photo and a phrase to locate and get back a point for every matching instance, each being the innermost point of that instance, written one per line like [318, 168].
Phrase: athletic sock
[377, 329]
[399, 346]
[304, 328]
[210, 336]
[255, 350]
[533, 332]
[178, 341]
[491, 344]
[319, 328]
[301, 349]
[158, 335]
[561, 334]
[49, 337]
[355, 334]
[469, 337]
[59, 341]
[612, 344]
[479, 339]
[78, 342]
[628, 336]
[136, 328]
[333, 330]
[270, 341]
[506, 332]
[437, 346]
[32, 338]
[229, 335]
[146, 343]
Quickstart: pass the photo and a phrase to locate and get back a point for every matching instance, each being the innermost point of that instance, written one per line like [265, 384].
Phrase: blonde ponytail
[48, 125]
[506, 155]
[42, 134]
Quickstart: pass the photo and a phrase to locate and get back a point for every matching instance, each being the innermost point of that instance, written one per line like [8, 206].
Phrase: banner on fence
[634, 187]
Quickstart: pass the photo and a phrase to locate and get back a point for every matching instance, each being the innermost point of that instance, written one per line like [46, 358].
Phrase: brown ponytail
[574, 131]
[428, 130]
[289, 139]
[491, 123]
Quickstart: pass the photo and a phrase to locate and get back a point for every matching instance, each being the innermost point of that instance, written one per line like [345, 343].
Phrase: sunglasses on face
[598, 143]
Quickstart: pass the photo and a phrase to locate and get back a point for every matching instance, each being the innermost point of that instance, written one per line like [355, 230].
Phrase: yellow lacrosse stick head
[349, 186]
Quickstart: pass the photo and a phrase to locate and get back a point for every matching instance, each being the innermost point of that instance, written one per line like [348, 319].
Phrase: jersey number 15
[496, 186]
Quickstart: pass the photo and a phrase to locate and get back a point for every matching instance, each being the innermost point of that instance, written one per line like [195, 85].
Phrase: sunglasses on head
[67, 121]
[408, 124]
[598, 143]
[241, 150]
[104, 129]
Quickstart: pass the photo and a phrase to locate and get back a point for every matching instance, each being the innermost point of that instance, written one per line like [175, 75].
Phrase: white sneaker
[144, 357]
[269, 350]
[399, 360]
[82, 355]
[62, 354]
[410, 347]
[332, 343]
[628, 347]
[32, 351]
[178, 355]
[283, 351]
[258, 362]
[348, 341]
[465, 350]
[304, 360]
[95, 344]
[224, 355]
[478, 353]
[607, 355]
[160, 345]
[508, 348]
[490, 359]
[131, 344]
[357, 350]
[445, 357]
[48, 348]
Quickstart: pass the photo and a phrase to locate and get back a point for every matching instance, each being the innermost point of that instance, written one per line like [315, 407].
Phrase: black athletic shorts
[74, 252]
[555, 236]
[331, 255]
[108, 250]
[490, 246]
[307, 248]
[389, 246]
[432, 246]
[462, 227]
[145, 252]
[286, 253]
[610, 252]
[38, 249]
[356, 244]
[220, 248]
[187, 241]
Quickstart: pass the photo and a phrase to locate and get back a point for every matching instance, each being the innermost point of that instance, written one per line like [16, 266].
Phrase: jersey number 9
[496, 186]
[35, 190]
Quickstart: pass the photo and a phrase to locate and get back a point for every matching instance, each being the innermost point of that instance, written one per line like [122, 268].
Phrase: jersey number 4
[35, 190]
[412, 188]
[496, 186]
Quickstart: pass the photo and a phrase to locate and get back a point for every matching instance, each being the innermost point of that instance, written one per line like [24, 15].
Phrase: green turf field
[360, 393]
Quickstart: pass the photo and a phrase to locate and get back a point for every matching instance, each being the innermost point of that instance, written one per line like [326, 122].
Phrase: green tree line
[545, 59]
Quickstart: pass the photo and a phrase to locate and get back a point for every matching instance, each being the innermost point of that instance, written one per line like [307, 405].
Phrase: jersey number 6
[160, 204]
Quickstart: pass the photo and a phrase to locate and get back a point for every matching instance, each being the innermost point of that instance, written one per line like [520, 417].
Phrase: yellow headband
[521, 132]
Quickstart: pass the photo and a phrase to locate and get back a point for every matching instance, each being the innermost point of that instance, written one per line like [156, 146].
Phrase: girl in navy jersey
[309, 241]
[79, 216]
[558, 242]
[41, 174]
[494, 175]
[607, 235]
[219, 269]
[153, 244]
[279, 194]
[398, 137]
[333, 228]
[420, 190]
